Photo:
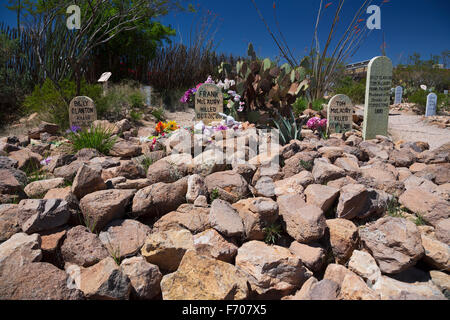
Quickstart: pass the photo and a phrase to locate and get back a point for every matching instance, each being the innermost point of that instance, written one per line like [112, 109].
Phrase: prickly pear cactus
[266, 87]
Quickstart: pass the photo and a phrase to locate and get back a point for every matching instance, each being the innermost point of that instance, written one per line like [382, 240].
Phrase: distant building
[357, 70]
[438, 66]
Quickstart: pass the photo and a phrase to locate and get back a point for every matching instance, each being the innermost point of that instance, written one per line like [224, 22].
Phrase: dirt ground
[407, 127]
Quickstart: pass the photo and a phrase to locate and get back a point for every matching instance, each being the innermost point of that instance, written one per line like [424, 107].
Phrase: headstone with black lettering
[398, 95]
[378, 94]
[208, 103]
[431, 105]
[340, 114]
[82, 112]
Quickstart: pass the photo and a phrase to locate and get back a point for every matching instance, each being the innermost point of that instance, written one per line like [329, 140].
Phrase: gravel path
[412, 128]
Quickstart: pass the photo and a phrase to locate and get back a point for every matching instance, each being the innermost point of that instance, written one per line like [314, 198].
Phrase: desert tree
[63, 52]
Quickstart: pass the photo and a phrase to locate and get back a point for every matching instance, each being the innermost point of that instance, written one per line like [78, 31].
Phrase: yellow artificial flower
[172, 125]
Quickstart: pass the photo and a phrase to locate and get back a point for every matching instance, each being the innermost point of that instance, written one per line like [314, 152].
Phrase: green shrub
[136, 99]
[146, 162]
[355, 90]
[272, 233]
[419, 97]
[158, 114]
[118, 99]
[96, 137]
[289, 128]
[52, 104]
[214, 195]
[300, 105]
[135, 115]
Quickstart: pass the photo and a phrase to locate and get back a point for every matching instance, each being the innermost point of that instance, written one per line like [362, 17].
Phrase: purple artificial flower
[221, 128]
[46, 161]
[323, 123]
[210, 80]
[313, 123]
[73, 129]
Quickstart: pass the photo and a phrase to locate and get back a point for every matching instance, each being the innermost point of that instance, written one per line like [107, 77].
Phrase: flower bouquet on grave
[318, 125]
[164, 130]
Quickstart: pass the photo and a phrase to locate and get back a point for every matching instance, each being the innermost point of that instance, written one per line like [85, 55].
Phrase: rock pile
[335, 219]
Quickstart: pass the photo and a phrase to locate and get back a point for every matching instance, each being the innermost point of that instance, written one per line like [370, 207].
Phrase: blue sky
[409, 26]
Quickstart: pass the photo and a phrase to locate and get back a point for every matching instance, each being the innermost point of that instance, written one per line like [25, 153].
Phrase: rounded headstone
[82, 112]
[398, 95]
[378, 89]
[431, 105]
[208, 103]
[340, 114]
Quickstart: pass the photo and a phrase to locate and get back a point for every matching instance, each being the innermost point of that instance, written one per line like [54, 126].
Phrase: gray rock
[41, 215]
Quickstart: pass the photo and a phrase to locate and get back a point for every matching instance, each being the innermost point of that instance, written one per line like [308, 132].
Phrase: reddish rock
[9, 222]
[395, 243]
[42, 215]
[321, 196]
[125, 149]
[145, 277]
[305, 224]
[324, 172]
[9, 183]
[166, 248]
[126, 169]
[39, 188]
[271, 270]
[37, 281]
[432, 208]
[88, 180]
[105, 281]
[124, 238]
[102, 207]
[188, 216]
[231, 186]
[313, 256]
[26, 159]
[343, 238]
[82, 247]
[159, 198]
[211, 244]
[256, 214]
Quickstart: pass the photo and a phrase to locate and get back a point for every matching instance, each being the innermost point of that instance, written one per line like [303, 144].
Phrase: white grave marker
[340, 114]
[378, 94]
[398, 95]
[82, 112]
[431, 105]
[148, 94]
[208, 103]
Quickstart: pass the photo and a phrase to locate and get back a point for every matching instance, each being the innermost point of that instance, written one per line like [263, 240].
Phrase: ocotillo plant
[323, 65]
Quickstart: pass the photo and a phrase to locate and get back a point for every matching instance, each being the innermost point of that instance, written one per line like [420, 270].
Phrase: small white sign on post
[398, 95]
[104, 79]
[431, 105]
